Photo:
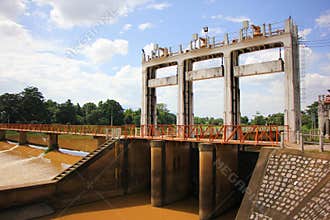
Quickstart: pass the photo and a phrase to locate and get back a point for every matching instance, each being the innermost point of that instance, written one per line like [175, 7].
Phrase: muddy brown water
[24, 165]
[135, 207]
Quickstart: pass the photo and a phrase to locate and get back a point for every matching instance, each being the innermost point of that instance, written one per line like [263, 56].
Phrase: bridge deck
[225, 134]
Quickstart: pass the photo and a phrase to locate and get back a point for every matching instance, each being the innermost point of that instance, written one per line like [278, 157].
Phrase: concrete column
[53, 141]
[231, 90]
[144, 106]
[292, 82]
[180, 119]
[189, 98]
[157, 172]
[321, 121]
[22, 138]
[149, 101]
[125, 170]
[327, 127]
[100, 140]
[206, 180]
[2, 135]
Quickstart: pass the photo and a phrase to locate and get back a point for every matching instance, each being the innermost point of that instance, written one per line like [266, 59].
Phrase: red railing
[249, 134]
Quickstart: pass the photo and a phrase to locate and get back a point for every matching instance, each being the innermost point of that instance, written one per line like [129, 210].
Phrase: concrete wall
[170, 172]
[26, 194]
[288, 184]
[104, 174]
[139, 165]
[177, 171]
[226, 167]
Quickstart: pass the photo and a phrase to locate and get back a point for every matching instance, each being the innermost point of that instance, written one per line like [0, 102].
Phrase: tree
[275, 119]
[52, 109]
[66, 113]
[112, 113]
[10, 111]
[132, 117]
[164, 116]
[244, 120]
[258, 119]
[32, 106]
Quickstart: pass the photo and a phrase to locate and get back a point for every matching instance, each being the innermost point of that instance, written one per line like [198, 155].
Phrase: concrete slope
[108, 145]
[288, 184]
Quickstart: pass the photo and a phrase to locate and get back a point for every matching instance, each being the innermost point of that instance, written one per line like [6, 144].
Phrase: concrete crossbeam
[162, 82]
[259, 68]
[205, 73]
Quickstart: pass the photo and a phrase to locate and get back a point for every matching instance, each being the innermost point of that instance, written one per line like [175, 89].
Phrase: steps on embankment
[288, 184]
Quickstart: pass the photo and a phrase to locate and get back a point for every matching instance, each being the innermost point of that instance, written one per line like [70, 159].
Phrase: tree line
[30, 106]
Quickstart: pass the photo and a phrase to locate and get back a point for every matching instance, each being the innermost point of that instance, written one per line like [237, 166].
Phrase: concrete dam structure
[220, 166]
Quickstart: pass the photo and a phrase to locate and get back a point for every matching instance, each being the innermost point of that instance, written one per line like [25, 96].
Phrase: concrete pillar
[100, 140]
[327, 127]
[231, 90]
[2, 135]
[292, 82]
[53, 141]
[22, 138]
[125, 170]
[149, 101]
[180, 119]
[158, 167]
[206, 180]
[189, 97]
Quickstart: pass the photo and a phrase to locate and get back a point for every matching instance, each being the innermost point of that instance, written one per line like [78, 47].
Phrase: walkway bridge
[224, 134]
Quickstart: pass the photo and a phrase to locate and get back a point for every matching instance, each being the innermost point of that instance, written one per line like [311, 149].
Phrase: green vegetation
[30, 106]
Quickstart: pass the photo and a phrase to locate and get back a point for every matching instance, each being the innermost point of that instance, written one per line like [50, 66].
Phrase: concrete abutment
[2, 135]
[52, 141]
[22, 138]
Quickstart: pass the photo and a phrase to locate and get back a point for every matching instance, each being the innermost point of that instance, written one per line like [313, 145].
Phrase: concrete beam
[161, 82]
[259, 68]
[205, 73]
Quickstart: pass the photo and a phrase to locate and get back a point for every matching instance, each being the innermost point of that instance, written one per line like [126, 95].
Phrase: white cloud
[11, 9]
[159, 6]
[26, 61]
[304, 33]
[103, 50]
[125, 28]
[219, 16]
[145, 26]
[324, 20]
[66, 14]
[235, 19]
[213, 31]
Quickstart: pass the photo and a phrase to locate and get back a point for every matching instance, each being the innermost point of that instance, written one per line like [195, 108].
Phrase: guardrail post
[301, 142]
[298, 138]
[107, 133]
[321, 142]
[282, 140]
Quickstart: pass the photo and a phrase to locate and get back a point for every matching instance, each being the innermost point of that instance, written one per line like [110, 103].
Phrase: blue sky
[105, 38]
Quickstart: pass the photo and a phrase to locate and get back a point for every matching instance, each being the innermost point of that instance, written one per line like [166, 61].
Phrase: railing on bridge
[249, 134]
